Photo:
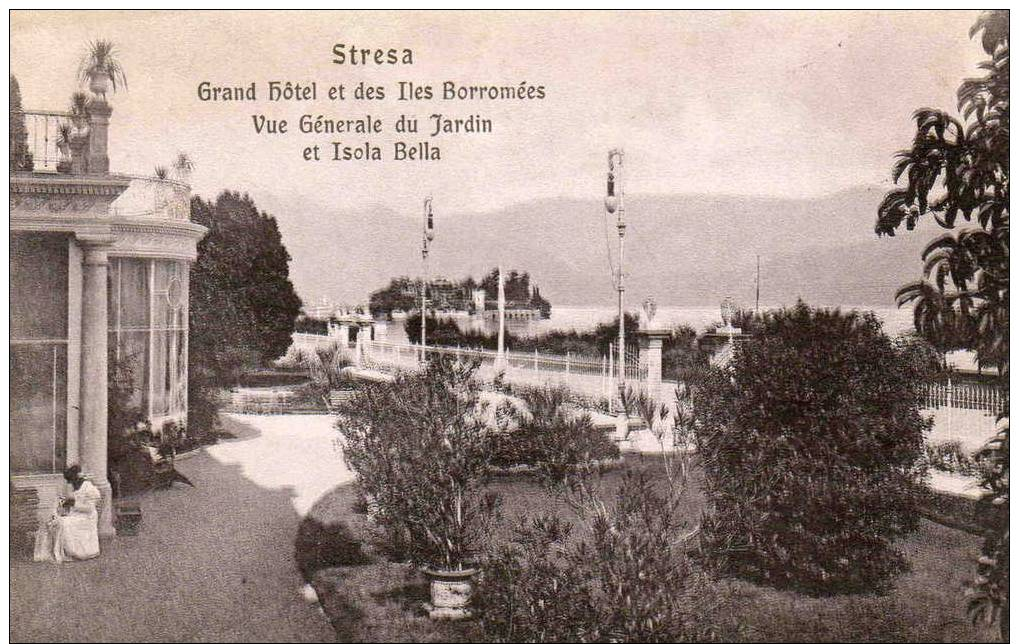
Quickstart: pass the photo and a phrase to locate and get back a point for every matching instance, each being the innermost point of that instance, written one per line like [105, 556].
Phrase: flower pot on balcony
[450, 593]
[64, 147]
[99, 83]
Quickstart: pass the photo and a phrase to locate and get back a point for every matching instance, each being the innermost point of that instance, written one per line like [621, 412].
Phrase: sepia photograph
[508, 326]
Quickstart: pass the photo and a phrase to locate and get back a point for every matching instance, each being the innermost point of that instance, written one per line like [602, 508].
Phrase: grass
[378, 600]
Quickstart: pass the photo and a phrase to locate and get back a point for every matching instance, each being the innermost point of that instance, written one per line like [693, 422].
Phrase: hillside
[682, 249]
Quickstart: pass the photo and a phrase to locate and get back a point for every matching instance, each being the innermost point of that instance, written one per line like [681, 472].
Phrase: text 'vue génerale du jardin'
[431, 125]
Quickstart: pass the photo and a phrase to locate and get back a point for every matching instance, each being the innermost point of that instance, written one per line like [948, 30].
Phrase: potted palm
[161, 172]
[81, 110]
[183, 166]
[64, 135]
[101, 69]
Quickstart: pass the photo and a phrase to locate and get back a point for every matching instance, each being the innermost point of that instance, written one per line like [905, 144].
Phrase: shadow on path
[211, 563]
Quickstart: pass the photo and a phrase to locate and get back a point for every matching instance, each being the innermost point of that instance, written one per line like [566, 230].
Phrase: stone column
[93, 402]
[98, 151]
[651, 354]
[79, 151]
[344, 335]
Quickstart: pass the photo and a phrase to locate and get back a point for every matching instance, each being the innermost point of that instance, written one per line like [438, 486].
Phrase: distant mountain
[681, 249]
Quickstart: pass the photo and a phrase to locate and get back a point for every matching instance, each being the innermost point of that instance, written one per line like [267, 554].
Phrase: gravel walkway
[213, 563]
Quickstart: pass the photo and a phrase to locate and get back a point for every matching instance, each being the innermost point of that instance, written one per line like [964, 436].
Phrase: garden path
[211, 563]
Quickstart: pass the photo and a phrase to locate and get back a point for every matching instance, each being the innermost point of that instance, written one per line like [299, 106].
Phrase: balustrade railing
[34, 139]
[153, 197]
[964, 396]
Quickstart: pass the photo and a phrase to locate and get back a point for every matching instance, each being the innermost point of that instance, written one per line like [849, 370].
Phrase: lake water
[582, 318]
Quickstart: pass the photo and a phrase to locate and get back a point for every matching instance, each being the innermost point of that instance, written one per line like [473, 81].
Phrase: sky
[787, 104]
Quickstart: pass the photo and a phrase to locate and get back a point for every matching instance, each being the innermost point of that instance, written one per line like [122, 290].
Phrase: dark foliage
[546, 434]
[304, 324]
[810, 442]
[241, 291]
[402, 293]
[419, 448]
[988, 597]
[626, 579]
[444, 332]
[242, 305]
[957, 171]
[20, 155]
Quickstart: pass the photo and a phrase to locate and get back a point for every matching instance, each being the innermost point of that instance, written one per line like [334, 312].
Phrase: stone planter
[99, 83]
[450, 593]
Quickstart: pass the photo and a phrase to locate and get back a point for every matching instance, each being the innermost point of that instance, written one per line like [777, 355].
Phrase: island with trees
[465, 296]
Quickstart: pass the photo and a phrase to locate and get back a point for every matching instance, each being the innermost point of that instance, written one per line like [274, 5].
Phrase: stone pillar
[360, 346]
[93, 402]
[343, 333]
[651, 354]
[79, 151]
[98, 151]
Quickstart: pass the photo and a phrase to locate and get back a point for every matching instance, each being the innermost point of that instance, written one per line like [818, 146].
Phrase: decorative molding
[68, 184]
[157, 239]
[34, 194]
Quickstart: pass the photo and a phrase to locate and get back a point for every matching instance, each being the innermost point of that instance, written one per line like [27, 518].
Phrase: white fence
[986, 398]
[593, 377]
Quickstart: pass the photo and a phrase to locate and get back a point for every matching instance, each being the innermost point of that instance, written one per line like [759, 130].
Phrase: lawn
[378, 600]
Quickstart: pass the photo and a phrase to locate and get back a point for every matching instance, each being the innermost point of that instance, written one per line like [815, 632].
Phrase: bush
[988, 594]
[547, 434]
[810, 441]
[628, 579]
[951, 457]
[419, 448]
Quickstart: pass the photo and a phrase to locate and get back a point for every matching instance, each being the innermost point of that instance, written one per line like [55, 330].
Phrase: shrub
[951, 457]
[547, 434]
[204, 403]
[988, 594]
[419, 448]
[627, 579]
[810, 441]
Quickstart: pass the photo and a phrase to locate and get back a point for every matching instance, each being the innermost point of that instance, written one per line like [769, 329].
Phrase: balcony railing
[152, 197]
[33, 147]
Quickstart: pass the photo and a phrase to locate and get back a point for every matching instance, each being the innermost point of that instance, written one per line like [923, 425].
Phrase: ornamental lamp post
[614, 205]
[427, 235]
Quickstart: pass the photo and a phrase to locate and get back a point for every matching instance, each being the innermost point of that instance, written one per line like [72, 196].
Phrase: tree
[810, 439]
[20, 155]
[243, 256]
[957, 170]
[243, 307]
[402, 293]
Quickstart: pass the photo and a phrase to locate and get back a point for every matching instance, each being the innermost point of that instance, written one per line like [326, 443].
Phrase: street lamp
[427, 235]
[614, 205]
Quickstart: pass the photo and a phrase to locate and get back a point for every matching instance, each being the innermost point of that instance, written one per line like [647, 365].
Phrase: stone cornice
[37, 183]
[158, 225]
[155, 238]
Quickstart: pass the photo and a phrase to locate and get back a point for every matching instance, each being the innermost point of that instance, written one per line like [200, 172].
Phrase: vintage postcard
[536, 326]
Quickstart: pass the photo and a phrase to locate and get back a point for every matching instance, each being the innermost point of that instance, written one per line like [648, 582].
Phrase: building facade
[99, 281]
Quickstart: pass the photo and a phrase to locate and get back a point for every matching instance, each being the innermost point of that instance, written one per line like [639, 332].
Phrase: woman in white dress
[75, 535]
